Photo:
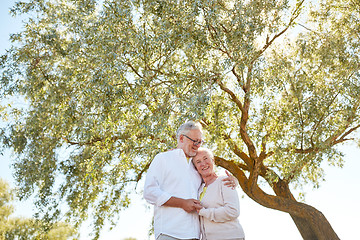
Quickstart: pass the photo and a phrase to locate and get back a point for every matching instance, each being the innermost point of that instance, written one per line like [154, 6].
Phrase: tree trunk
[311, 223]
[304, 228]
[314, 226]
[318, 228]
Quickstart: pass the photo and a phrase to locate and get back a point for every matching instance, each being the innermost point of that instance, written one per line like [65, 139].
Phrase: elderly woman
[221, 208]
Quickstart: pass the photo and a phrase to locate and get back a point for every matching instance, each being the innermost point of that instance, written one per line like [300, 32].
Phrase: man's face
[187, 145]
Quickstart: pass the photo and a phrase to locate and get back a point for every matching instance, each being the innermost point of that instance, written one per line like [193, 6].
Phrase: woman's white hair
[208, 151]
[187, 127]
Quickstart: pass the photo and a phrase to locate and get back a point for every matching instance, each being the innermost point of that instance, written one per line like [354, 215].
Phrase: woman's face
[203, 163]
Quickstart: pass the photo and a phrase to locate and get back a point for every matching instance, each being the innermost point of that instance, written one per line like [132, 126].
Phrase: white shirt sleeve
[229, 211]
[153, 193]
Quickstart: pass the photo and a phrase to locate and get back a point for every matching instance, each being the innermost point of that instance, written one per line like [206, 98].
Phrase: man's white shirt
[171, 175]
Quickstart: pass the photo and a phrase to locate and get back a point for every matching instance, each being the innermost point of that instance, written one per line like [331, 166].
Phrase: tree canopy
[105, 84]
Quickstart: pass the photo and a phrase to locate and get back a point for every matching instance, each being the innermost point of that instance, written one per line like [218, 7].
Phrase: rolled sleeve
[153, 193]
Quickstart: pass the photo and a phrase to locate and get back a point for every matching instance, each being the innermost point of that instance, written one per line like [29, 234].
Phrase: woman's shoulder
[220, 179]
[221, 183]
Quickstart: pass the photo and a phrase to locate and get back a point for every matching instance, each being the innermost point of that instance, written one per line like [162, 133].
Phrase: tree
[274, 83]
[27, 228]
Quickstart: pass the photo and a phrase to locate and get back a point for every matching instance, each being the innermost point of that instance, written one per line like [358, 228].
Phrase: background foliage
[27, 228]
[105, 84]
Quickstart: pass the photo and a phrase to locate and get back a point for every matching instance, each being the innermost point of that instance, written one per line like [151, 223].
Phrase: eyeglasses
[194, 141]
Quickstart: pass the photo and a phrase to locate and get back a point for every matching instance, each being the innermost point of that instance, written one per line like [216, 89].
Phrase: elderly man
[172, 185]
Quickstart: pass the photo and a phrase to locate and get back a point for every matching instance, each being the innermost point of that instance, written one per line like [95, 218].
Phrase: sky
[338, 198]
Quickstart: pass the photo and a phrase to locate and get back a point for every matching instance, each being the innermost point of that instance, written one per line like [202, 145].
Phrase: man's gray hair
[187, 127]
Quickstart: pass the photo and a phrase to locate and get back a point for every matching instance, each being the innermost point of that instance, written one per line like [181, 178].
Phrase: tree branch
[113, 139]
[249, 162]
[232, 95]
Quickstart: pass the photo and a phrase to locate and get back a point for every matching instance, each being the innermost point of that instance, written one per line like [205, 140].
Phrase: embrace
[190, 200]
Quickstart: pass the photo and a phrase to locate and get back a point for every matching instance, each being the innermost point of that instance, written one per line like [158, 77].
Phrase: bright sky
[338, 198]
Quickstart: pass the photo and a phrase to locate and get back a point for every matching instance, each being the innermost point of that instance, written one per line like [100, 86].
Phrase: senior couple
[190, 200]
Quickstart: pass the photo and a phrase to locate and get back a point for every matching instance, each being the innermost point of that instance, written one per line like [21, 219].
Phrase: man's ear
[181, 138]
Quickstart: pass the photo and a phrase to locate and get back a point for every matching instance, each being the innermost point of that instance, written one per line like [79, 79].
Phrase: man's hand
[189, 205]
[230, 181]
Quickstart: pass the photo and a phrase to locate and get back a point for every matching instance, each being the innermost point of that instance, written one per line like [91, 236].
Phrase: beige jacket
[219, 217]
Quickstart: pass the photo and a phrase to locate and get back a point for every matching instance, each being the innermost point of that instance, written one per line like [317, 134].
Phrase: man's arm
[189, 205]
[230, 180]
[153, 194]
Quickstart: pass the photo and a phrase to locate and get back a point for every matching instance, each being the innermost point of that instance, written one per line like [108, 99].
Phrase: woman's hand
[198, 209]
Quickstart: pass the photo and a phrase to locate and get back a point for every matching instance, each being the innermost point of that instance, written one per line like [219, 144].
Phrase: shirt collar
[182, 154]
